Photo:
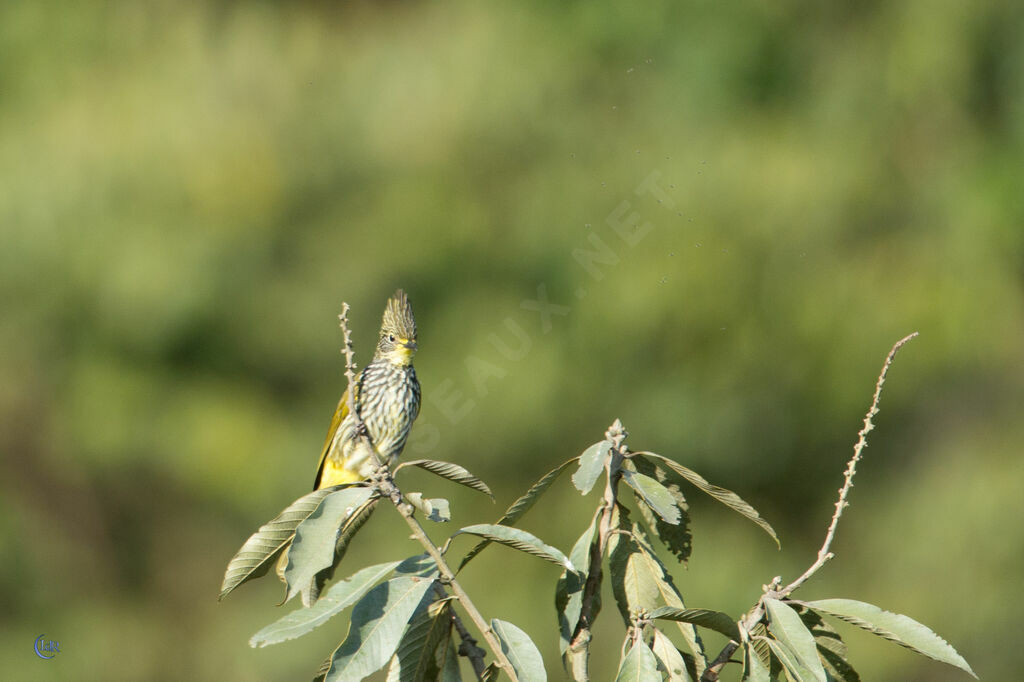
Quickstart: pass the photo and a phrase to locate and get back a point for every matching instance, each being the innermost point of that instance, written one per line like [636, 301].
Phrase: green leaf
[450, 672]
[338, 598]
[348, 531]
[753, 669]
[312, 548]
[894, 627]
[670, 660]
[726, 497]
[521, 506]
[569, 588]
[378, 621]
[794, 667]
[423, 652]
[638, 665]
[641, 581]
[453, 472]
[787, 627]
[705, 618]
[759, 641]
[259, 551]
[526, 501]
[351, 527]
[435, 509]
[591, 465]
[655, 495]
[520, 650]
[831, 648]
[676, 538]
[580, 553]
[521, 540]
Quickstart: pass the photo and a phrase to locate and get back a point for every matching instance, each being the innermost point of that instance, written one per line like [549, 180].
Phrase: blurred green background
[188, 191]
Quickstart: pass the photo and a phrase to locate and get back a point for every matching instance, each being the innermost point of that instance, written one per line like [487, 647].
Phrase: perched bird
[387, 397]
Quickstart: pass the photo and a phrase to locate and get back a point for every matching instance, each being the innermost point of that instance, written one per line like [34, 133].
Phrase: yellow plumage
[387, 396]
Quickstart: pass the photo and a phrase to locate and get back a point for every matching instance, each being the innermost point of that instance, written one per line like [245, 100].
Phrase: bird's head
[398, 331]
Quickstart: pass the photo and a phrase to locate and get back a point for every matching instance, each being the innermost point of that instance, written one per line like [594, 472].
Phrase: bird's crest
[398, 319]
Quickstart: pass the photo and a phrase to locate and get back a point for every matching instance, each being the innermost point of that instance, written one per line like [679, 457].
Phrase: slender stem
[448, 576]
[579, 647]
[774, 590]
[350, 377]
[468, 648]
[386, 486]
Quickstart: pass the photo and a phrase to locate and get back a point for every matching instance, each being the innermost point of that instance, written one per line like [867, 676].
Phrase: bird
[387, 398]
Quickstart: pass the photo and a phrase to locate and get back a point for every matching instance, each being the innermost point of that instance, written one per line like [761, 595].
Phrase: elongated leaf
[435, 509]
[423, 651]
[836, 665]
[726, 497]
[348, 531]
[521, 540]
[591, 465]
[894, 627]
[521, 506]
[670, 661]
[787, 627]
[338, 598]
[263, 546]
[753, 669]
[378, 621]
[569, 588]
[312, 548]
[453, 472]
[520, 650]
[794, 667]
[758, 639]
[638, 665]
[352, 526]
[705, 618]
[641, 581]
[831, 648]
[676, 537]
[451, 672]
[654, 494]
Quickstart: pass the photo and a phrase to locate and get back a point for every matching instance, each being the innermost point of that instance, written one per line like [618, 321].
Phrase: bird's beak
[411, 345]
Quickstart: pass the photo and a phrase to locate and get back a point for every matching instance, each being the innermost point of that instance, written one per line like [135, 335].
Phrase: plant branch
[362, 437]
[775, 589]
[825, 553]
[468, 648]
[579, 648]
[385, 485]
[448, 577]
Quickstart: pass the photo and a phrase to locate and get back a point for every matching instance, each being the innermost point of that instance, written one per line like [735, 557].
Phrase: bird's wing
[340, 413]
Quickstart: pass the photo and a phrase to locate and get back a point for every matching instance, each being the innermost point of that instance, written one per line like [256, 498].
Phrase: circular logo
[43, 648]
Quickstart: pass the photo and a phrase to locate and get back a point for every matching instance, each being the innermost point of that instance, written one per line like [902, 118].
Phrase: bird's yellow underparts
[387, 398]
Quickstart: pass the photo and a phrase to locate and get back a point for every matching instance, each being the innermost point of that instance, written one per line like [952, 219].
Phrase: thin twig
[825, 553]
[774, 590]
[350, 376]
[385, 485]
[468, 648]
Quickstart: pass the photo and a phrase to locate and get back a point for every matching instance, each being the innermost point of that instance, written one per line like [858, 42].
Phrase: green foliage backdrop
[189, 190]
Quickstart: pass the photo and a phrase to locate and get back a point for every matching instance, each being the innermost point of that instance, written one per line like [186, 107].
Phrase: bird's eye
[391, 337]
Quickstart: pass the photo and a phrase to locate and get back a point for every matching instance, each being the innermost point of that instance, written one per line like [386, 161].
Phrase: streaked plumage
[387, 396]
